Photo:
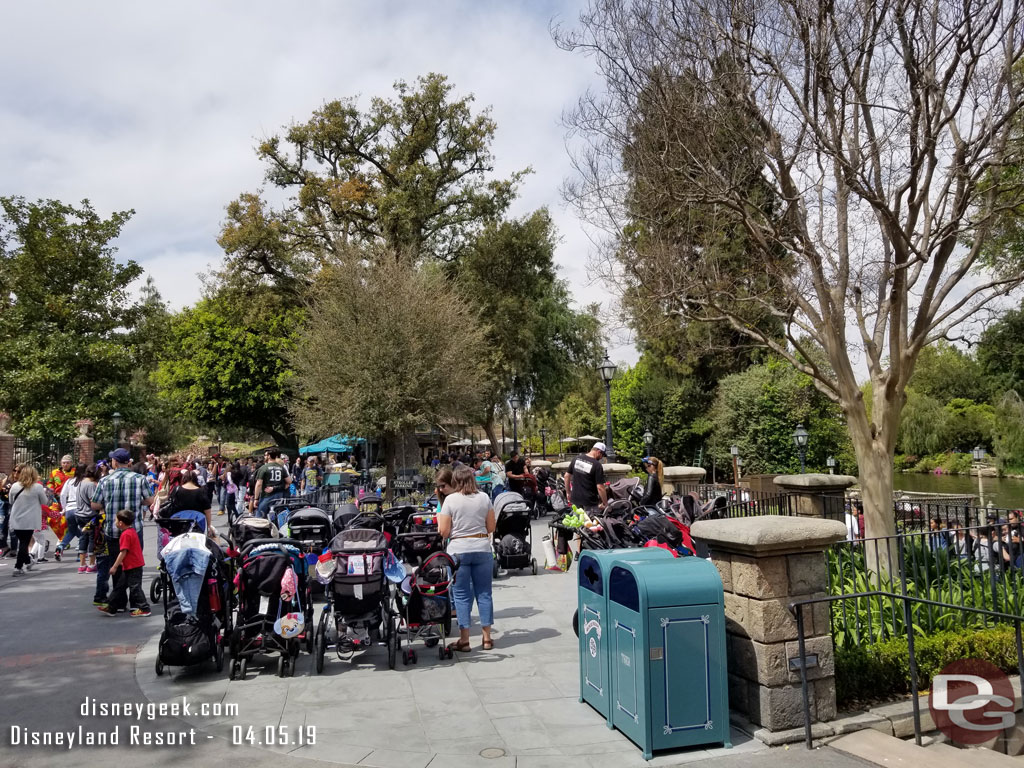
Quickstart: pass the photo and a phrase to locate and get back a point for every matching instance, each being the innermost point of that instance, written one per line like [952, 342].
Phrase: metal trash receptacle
[593, 567]
[667, 648]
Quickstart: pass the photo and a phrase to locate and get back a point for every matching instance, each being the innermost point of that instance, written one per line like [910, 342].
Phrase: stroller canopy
[510, 500]
[358, 540]
[196, 518]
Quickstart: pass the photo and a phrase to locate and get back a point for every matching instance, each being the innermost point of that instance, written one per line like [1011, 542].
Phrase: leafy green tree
[758, 409]
[224, 364]
[923, 427]
[410, 174]
[385, 348]
[968, 424]
[1008, 438]
[535, 340]
[944, 372]
[1001, 352]
[65, 307]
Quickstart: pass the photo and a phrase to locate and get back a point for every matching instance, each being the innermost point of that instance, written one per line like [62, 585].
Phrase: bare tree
[860, 150]
[385, 348]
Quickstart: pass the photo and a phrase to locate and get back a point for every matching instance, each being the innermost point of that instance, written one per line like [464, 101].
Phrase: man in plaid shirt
[121, 489]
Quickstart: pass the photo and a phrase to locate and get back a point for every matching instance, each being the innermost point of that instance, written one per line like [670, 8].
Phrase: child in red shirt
[127, 570]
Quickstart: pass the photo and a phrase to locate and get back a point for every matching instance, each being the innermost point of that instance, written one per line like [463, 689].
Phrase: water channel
[1002, 492]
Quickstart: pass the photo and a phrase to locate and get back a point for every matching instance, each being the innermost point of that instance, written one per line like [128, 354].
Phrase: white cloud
[158, 107]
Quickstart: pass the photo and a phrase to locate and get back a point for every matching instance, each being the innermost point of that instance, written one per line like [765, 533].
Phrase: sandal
[459, 646]
[487, 645]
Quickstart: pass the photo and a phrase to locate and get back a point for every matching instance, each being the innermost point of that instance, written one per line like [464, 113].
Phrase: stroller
[358, 612]
[424, 607]
[273, 604]
[513, 539]
[197, 607]
[311, 526]
[186, 521]
[418, 537]
[249, 528]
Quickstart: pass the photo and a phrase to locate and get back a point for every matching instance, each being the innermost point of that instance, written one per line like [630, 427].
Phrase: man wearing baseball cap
[584, 479]
[120, 489]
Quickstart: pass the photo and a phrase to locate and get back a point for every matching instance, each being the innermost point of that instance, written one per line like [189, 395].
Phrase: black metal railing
[744, 502]
[45, 453]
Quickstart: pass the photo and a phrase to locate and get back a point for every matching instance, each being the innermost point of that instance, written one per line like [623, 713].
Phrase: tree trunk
[488, 425]
[389, 466]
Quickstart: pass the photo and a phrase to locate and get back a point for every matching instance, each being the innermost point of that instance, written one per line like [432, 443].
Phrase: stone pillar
[85, 446]
[814, 494]
[540, 463]
[766, 563]
[677, 477]
[613, 471]
[6, 445]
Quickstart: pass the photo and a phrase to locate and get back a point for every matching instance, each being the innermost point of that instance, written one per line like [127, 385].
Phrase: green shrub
[881, 671]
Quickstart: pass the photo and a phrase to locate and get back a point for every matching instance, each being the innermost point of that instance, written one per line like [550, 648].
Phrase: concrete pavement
[513, 707]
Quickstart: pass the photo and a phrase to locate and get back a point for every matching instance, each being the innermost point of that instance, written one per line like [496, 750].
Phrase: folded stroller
[357, 613]
[513, 542]
[424, 607]
[196, 595]
[273, 610]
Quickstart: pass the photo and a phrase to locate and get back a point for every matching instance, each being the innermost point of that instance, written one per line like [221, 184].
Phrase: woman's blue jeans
[72, 531]
[473, 580]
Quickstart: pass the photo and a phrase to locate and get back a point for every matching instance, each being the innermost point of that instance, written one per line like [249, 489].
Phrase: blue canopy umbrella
[334, 444]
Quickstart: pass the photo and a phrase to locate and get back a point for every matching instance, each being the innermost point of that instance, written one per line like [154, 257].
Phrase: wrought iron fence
[744, 502]
[44, 453]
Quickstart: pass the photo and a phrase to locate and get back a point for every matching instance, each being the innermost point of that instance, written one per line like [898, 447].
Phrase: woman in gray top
[466, 519]
[27, 500]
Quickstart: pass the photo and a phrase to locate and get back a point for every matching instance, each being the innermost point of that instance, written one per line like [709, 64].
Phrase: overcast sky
[158, 107]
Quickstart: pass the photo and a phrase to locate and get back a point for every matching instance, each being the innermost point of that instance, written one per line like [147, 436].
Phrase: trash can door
[594, 660]
[687, 696]
[628, 671]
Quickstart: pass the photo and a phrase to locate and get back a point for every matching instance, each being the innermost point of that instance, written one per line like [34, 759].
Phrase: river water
[1002, 492]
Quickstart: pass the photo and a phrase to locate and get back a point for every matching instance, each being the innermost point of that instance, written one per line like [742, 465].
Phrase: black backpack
[661, 530]
[184, 641]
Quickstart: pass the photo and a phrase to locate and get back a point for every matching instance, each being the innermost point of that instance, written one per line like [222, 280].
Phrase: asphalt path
[57, 651]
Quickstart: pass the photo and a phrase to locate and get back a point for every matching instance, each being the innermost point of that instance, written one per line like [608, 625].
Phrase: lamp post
[979, 456]
[607, 370]
[117, 430]
[735, 452]
[831, 462]
[515, 404]
[544, 442]
[800, 436]
[648, 441]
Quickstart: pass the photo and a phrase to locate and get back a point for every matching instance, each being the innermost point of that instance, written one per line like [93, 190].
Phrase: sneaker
[57, 554]
[17, 572]
[29, 565]
[141, 612]
[90, 569]
[100, 603]
[82, 569]
[105, 610]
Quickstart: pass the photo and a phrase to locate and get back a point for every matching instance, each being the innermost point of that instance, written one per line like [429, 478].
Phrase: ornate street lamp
[544, 442]
[515, 403]
[117, 430]
[831, 463]
[800, 436]
[648, 441]
[607, 370]
[734, 451]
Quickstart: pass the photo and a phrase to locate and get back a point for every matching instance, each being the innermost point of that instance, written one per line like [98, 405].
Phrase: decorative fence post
[85, 446]
[6, 445]
[816, 495]
[766, 563]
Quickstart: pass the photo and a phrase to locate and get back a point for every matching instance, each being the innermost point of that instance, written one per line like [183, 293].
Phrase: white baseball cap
[599, 447]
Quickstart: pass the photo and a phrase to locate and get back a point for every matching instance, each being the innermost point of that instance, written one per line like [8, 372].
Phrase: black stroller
[513, 539]
[311, 526]
[186, 521]
[418, 536]
[197, 607]
[270, 620]
[424, 607]
[358, 611]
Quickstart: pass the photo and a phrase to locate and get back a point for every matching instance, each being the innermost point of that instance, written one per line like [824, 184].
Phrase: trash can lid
[675, 581]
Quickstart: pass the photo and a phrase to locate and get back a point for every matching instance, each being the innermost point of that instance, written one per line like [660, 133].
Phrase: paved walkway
[513, 707]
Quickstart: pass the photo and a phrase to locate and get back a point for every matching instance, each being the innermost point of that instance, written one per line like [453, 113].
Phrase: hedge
[881, 671]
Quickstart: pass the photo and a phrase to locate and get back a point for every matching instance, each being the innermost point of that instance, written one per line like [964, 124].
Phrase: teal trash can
[594, 567]
[667, 650]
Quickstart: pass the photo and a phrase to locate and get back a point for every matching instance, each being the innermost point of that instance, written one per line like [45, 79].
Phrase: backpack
[184, 642]
[660, 529]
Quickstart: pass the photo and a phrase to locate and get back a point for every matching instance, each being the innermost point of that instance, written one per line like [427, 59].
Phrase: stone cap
[538, 463]
[694, 474]
[816, 481]
[560, 467]
[615, 468]
[768, 535]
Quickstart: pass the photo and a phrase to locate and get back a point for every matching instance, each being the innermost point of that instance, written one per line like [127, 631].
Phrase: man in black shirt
[584, 479]
[515, 472]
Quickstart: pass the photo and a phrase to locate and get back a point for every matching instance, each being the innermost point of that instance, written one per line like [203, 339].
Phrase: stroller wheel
[494, 572]
[449, 653]
[156, 590]
[576, 623]
[413, 657]
[233, 670]
[243, 668]
[405, 657]
[282, 665]
[320, 643]
[159, 667]
[442, 653]
[218, 656]
[533, 566]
